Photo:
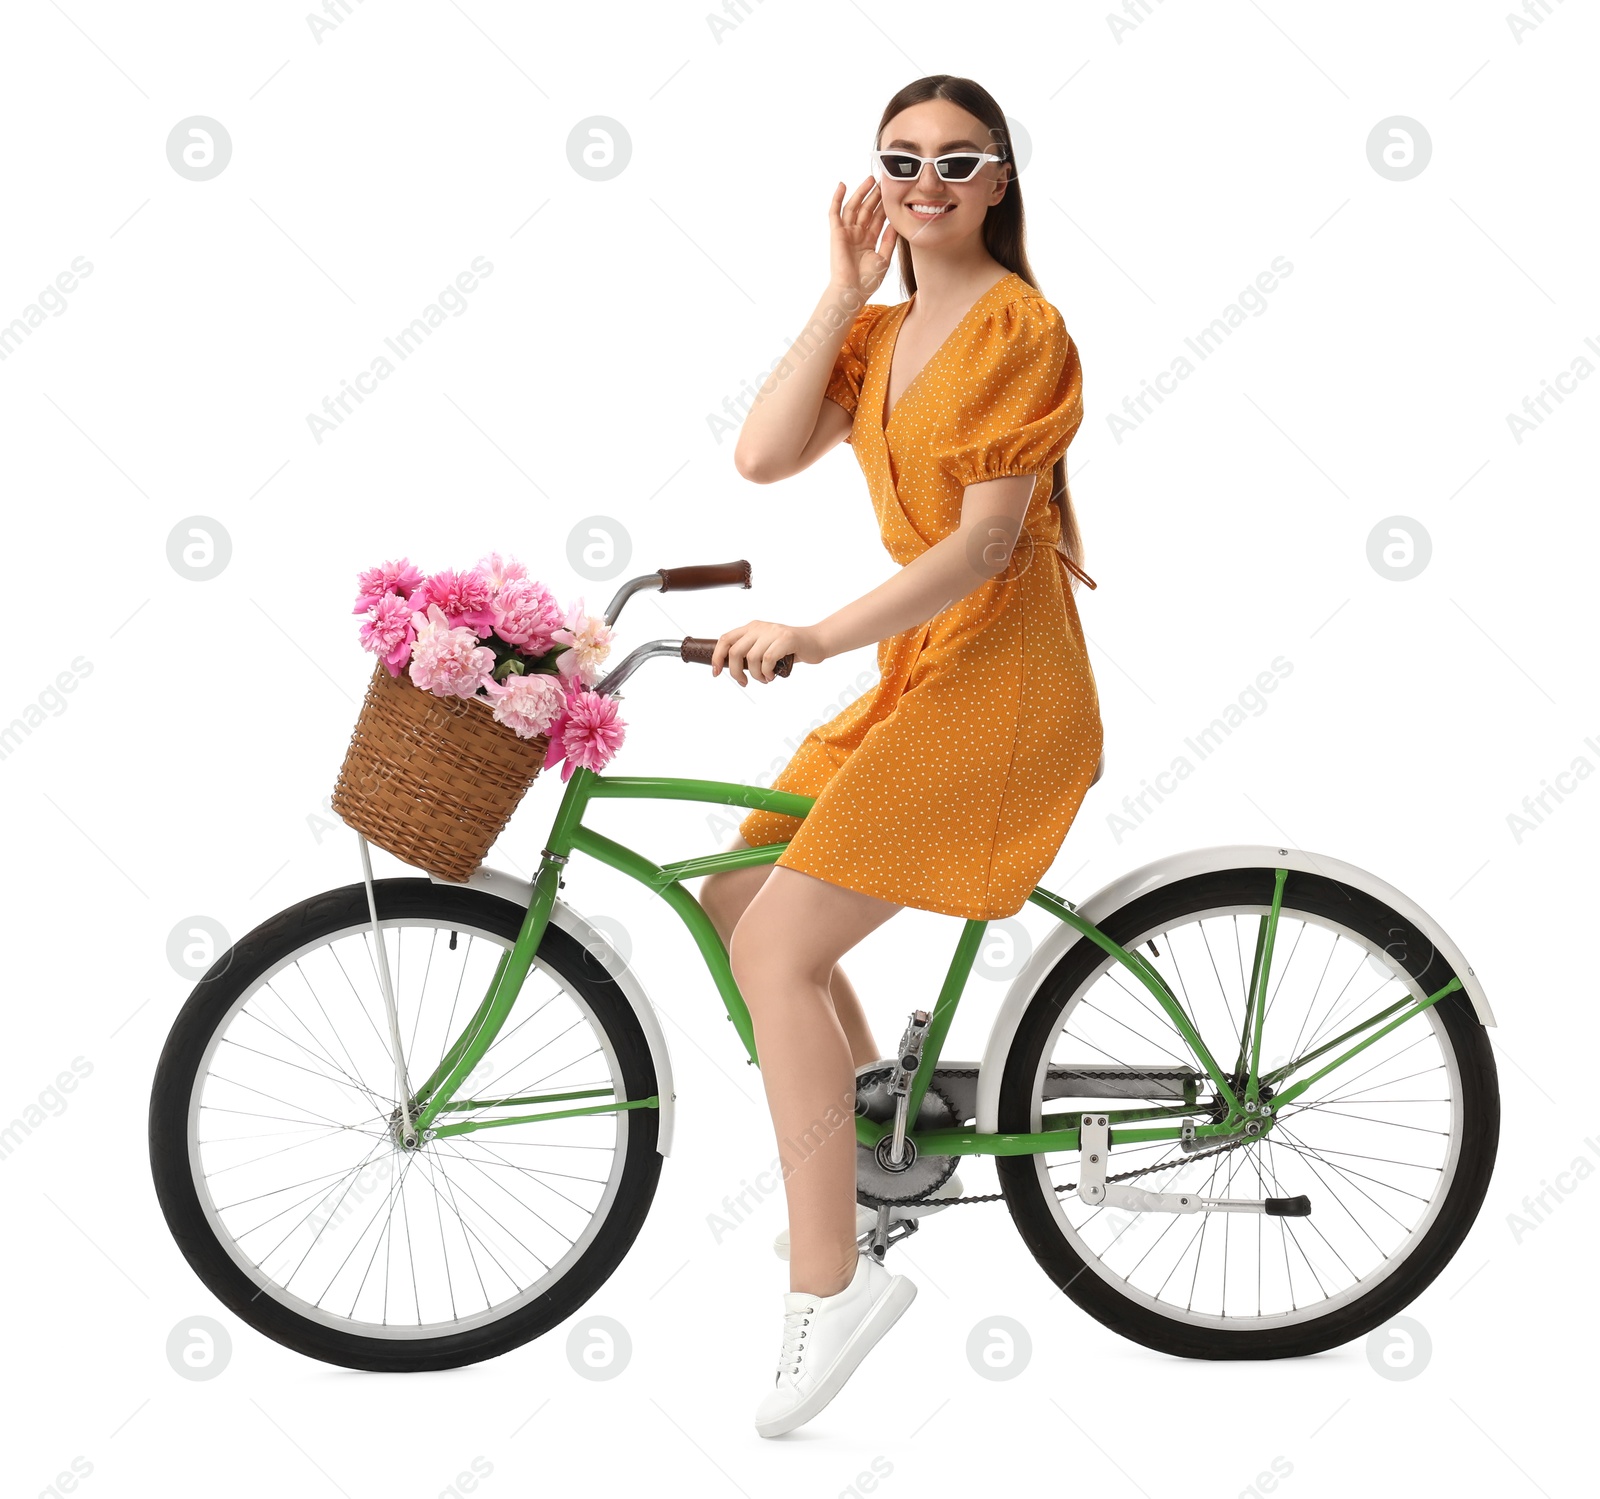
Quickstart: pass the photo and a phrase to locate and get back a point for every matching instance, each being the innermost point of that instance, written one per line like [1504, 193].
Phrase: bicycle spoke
[1300, 1148]
[1421, 1040]
[361, 1004]
[1222, 988]
[319, 1138]
[1160, 1015]
[1181, 994]
[433, 942]
[1294, 1050]
[216, 1108]
[1292, 1141]
[1392, 1082]
[353, 1174]
[325, 1054]
[1140, 1034]
[298, 1066]
[322, 1010]
[319, 1192]
[1366, 1143]
[534, 1173]
[1283, 973]
[493, 1183]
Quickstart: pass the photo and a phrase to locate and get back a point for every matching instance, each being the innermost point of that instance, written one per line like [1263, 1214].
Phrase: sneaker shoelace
[794, 1333]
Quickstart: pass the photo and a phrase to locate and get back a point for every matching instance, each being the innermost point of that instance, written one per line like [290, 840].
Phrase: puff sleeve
[850, 368]
[1028, 399]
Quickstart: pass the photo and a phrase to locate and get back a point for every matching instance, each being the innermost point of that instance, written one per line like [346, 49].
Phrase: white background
[186, 772]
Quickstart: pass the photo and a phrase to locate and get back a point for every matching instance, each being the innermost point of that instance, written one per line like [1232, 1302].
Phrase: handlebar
[699, 648]
[694, 648]
[681, 580]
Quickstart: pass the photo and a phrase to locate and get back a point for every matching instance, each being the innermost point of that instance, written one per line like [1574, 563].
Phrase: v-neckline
[886, 413]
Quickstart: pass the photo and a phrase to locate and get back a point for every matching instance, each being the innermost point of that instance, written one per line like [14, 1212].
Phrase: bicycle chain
[1121, 1176]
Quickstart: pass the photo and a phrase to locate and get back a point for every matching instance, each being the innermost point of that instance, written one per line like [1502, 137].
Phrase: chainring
[876, 1185]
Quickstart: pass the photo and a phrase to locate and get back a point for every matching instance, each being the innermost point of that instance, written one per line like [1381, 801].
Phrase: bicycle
[322, 1195]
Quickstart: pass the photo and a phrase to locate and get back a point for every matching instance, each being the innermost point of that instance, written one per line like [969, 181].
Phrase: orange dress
[950, 784]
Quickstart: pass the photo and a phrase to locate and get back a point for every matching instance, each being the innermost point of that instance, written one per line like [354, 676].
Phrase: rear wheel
[1394, 1149]
[281, 1173]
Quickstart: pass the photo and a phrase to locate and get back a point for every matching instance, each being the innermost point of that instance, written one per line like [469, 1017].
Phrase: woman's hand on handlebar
[757, 647]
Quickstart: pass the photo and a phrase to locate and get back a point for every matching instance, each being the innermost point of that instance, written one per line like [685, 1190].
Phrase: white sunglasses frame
[883, 173]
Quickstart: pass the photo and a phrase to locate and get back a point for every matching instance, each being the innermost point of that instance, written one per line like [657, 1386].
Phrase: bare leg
[785, 948]
[725, 897]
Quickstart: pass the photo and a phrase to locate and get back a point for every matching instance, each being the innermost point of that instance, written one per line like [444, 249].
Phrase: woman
[951, 785]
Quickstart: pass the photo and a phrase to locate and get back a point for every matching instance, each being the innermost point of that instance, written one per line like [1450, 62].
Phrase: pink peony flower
[392, 577]
[447, 660]
[586, 732]
[590, 640]
[528, 704]
[526, 615]
[463, 597]
[500, 571]
[389, 632]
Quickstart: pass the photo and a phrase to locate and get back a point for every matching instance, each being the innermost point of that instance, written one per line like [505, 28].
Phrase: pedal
[907, 1060]
[909, 1057]
[877, 1242]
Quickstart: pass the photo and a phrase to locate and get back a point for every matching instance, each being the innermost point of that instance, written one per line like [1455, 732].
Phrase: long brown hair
[1004, 237]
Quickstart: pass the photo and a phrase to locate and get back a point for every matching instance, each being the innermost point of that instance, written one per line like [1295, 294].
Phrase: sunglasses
[954, 166]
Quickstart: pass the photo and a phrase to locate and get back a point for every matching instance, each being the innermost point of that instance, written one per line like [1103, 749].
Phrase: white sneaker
[825, 1338]
[867, 1218]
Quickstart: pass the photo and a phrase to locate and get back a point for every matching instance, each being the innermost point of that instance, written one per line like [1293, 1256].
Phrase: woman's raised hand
[856, 261]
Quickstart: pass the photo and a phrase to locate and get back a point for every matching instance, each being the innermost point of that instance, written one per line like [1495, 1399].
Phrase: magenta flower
[398, 577]
[500, 571]
[586, 732]
[526, 616]
[447, 660]
[389, 632]
[527, 704]
[464, 599]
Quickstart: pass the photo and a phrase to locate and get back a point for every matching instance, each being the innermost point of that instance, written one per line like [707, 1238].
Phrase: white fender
[520, 892]
[1137, 882]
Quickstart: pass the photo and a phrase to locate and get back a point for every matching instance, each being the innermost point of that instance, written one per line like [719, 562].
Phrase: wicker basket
[432, 780]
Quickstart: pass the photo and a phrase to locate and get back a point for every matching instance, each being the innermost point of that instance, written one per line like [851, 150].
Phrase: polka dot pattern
[951, 784]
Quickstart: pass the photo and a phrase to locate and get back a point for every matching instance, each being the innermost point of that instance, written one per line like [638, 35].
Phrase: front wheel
[284, 1180]
[1393, 1149]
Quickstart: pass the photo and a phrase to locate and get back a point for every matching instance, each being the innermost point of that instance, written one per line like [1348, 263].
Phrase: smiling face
[927, 210]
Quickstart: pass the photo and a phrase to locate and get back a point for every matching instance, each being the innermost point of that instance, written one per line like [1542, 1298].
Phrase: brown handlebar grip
[707, 575]
[698, 648]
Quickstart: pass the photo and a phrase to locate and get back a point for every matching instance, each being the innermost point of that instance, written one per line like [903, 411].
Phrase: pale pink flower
[586, 732]
[526, 615]
[447, 660]
[589, 639]
[500, 571]
[397, 576]
[464, 598]
[528, 704]
[389, 632]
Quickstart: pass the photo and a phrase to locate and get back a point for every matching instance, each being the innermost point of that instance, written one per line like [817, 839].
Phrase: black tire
[238, 970]
[1035, 1217]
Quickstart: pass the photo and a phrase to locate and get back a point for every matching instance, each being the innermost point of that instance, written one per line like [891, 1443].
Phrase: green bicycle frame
[1240, 1089]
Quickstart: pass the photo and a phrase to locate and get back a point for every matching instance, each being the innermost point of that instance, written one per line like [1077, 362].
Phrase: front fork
[435, 1094]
